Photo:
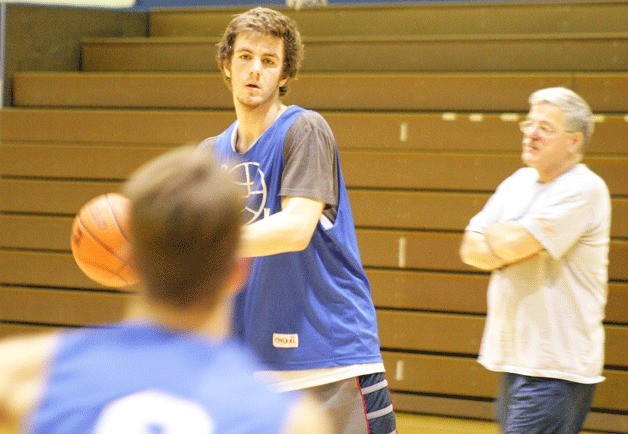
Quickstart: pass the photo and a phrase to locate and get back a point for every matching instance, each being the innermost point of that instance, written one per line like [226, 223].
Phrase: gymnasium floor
[408, 423]
[412, 423]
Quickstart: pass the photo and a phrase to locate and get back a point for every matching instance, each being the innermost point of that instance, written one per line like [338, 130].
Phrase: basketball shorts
[535, 405]
[358, 405]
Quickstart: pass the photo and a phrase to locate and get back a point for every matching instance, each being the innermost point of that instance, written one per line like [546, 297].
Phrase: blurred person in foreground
[172, 366]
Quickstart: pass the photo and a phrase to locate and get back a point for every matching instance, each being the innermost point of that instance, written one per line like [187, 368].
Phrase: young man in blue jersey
[172, 367]
[306, 309]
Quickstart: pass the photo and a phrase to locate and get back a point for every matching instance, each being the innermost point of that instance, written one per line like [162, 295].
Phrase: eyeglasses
[544, 130]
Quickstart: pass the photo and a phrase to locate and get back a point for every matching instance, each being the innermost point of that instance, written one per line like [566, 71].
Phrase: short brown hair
[265, 22]
[185, 223]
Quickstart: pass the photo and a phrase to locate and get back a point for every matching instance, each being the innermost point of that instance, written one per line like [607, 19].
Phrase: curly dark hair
[265, 22]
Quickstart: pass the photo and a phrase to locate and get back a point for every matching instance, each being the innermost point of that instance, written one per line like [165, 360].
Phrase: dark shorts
[359, 405]
[535, 405]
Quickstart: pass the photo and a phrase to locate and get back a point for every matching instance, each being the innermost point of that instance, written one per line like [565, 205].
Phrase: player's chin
[250, 102]
[528, 158]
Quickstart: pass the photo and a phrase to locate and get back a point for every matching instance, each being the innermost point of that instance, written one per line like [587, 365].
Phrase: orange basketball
[100, 241]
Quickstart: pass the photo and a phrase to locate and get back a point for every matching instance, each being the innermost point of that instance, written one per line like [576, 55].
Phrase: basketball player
[306, 309]
[172, 367]
[544, 234]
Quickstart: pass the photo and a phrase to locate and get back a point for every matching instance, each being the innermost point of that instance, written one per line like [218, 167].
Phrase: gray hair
[577, 114]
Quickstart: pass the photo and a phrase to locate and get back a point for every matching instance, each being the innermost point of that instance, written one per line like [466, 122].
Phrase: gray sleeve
[311, 166]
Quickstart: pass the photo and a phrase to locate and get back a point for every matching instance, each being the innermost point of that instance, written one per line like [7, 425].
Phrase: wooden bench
[397, 92]
[412, 19]
[402, 171]
[453, 53]
[454, 292]
[466, 132]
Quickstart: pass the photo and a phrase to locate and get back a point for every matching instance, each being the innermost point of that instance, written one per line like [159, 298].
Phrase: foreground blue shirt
[141, 378]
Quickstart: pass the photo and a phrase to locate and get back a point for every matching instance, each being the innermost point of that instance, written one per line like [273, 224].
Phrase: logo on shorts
[285, 340]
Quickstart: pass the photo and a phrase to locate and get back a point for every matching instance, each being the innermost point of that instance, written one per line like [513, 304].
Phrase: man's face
[256, 69]
[547, 145]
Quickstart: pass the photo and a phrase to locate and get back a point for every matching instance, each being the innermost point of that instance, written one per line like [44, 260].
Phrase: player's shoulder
[527, 173]
[581, 180]
[23, 364]
[521, 177]
[208, 143]
[23, 353]
[311, 119]
[310, 124]
[588, 176]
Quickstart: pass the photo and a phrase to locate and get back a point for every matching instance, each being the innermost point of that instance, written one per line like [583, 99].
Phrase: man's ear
[577, 141]
[226, 68]
[283, 81]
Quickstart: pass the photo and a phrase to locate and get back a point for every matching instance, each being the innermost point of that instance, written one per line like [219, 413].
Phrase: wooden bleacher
[423, 100]
[394, 92]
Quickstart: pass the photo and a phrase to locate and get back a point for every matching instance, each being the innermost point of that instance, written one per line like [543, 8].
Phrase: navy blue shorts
[535, 405]
[377, 403]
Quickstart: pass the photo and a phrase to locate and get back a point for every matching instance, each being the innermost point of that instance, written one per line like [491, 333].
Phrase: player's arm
[512, 242]
[23, 362]
[308, 184]
[475, 251]
[306, 417]
[289, 230]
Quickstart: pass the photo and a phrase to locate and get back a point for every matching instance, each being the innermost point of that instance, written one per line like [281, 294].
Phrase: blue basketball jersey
[133, 378]
[308, 309]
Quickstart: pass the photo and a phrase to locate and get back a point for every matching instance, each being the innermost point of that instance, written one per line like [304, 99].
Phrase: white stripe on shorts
[375, 387]
[380, 413]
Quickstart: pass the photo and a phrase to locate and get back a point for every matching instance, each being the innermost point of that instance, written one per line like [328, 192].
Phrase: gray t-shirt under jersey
[311, 167]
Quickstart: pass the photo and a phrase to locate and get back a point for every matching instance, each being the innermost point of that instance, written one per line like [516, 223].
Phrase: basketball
[100, 241]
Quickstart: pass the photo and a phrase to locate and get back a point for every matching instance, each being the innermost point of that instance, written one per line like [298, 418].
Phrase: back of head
[265, 21]
[576, 112]
[185, 225]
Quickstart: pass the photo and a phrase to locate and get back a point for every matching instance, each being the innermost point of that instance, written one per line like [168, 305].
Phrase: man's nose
[533, 131]
[256, 66]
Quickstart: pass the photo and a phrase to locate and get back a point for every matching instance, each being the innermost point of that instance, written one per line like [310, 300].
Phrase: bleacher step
[433, 53]
[418, 18]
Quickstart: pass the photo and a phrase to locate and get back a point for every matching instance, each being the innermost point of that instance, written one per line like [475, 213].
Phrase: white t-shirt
[285, 381]
[545, 313]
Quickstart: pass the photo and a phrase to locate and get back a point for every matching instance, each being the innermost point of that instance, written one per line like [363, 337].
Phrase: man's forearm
[511, 242]
[289, 230]
[279, 233]
[476, 252]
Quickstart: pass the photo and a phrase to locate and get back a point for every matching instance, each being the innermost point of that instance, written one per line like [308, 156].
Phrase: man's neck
[214, 323]
[557, 171]
[253, 122]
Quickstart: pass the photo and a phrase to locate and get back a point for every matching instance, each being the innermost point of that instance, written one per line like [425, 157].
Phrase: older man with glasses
[544, 235]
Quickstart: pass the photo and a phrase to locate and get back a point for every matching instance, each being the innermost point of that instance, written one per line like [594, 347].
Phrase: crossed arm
[289, 230]
[501, 244]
